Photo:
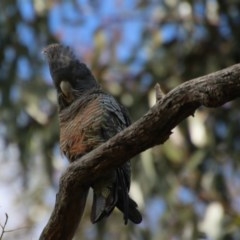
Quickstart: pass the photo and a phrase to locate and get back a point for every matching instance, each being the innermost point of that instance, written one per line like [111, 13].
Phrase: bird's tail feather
[123, 191]
[133, 214]
[103, 206]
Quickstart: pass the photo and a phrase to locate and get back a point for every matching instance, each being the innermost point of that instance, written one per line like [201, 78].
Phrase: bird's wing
[116, 118]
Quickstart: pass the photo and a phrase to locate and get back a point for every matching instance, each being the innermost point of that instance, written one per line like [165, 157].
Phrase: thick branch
[154, 128]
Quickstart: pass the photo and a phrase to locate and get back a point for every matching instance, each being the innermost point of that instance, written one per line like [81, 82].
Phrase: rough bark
[152, 129]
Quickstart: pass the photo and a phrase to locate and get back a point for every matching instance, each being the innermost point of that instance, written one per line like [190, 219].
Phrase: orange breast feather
[81, 133]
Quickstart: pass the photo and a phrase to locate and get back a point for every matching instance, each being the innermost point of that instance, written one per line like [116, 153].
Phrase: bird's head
[68, 73]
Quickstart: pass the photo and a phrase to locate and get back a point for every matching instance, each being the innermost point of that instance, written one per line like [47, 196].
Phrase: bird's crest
[59, 56]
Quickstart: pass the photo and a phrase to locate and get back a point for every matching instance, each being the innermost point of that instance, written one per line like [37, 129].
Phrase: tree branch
[152, 129]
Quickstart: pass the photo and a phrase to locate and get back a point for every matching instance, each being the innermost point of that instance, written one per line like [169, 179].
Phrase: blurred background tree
[189, 185]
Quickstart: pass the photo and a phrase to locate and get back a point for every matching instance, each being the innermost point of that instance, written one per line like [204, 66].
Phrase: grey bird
[88, 117]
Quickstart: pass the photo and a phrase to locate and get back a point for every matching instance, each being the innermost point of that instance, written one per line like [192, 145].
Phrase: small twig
[8, 231]
[13, 230]
[159, 93]
[3, 226]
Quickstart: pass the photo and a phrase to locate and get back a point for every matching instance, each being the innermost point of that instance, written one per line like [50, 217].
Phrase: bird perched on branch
[88, 117]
